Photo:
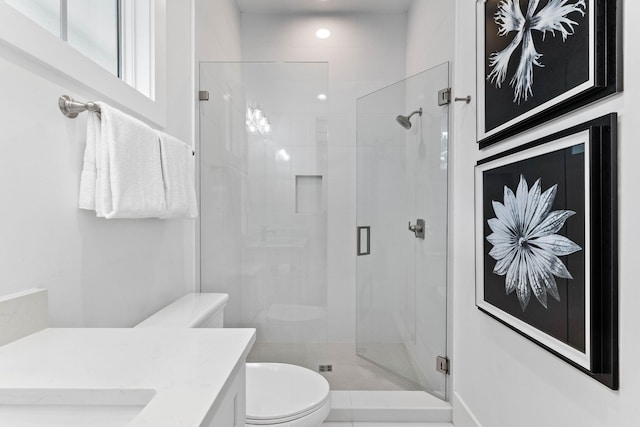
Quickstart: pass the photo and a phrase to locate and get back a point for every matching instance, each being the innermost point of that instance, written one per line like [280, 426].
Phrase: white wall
[430, 34]
[504, 379]
[365, 53]
[98, 272]
[217, 30]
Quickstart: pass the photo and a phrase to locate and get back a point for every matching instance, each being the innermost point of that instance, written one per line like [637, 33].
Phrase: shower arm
[418, 112]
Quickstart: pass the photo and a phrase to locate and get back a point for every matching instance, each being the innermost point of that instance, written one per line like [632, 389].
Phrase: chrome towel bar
[71, 108]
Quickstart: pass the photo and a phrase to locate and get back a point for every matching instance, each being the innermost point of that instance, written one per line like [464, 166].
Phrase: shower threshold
[388, 406]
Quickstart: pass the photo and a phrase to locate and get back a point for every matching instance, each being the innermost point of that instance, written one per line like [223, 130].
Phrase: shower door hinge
[444, 96]
[442, 365]
[203, 95]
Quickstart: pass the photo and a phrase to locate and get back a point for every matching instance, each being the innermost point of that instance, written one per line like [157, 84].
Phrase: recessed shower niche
[309, 199]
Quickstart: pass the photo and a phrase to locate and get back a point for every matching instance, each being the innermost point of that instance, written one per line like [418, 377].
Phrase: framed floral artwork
[546, 244]
[540, 59]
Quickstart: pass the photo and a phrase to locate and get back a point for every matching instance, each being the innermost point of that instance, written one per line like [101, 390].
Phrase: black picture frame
[576, 68]
[570, 171]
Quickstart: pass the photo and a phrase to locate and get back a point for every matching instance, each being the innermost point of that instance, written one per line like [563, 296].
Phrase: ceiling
[326, 6]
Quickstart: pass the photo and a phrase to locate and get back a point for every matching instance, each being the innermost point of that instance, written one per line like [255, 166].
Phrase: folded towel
[178, 172]
[128, 174]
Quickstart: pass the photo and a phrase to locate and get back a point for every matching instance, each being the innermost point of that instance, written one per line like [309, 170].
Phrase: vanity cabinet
[230, 407]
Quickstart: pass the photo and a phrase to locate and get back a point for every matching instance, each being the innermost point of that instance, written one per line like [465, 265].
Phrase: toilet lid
[277, 391]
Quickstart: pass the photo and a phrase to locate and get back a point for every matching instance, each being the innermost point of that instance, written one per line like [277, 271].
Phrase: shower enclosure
[402, 137]
[264, 186]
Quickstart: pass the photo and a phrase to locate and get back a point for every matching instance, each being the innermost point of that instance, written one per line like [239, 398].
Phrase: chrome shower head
[405, 121]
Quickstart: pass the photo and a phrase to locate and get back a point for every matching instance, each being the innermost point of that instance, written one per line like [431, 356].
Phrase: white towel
[178, 171]
[122, 164]
[87, 199]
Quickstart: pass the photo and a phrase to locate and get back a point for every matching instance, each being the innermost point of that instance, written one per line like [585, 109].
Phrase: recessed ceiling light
[322, 97]
[323, 33]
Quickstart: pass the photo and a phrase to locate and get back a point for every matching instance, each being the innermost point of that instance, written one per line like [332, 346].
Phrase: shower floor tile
[350, 372]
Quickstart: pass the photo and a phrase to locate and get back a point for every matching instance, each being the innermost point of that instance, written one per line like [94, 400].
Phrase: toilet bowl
[278, 394]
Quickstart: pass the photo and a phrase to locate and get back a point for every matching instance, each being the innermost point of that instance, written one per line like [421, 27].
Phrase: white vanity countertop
[187, 368]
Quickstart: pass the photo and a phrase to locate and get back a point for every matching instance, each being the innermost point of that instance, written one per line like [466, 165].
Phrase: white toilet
[278, 395]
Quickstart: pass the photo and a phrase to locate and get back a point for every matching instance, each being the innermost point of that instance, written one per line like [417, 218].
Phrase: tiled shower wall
[284, 211]
[263, 197]
[364, 53]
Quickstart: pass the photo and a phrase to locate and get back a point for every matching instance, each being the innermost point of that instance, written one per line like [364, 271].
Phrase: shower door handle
[418, 228]
[364, 238]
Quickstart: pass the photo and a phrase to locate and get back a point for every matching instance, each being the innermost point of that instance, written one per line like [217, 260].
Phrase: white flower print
[551, 18]
[525, 244]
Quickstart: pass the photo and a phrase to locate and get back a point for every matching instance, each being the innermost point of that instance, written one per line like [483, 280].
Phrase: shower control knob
[418, 228]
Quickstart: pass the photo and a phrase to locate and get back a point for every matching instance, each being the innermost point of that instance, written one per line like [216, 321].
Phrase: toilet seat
[286, 395]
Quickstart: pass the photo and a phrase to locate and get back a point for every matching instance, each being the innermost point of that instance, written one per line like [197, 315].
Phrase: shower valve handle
[418, 228]
[415, 228]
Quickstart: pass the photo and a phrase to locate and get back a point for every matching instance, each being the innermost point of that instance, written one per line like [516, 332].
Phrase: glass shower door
[402, 229]
[263, 196]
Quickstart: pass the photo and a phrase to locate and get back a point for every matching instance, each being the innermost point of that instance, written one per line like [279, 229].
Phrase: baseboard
[462, 415]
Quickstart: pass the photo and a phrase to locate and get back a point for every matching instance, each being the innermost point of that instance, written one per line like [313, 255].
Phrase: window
[137, 45]
[92, 27]
[43, 12]
[116, 34]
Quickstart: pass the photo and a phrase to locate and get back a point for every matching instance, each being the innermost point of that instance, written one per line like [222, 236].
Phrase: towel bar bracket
[71, 108]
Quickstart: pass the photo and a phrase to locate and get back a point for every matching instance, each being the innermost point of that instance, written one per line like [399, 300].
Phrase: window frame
[41, 52]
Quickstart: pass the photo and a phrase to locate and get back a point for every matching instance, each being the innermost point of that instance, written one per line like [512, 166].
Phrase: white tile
[341, 324]
[342, 99]
[336, 424]
[308, 160]
[342, 68]
[342, 128]
[370, 67]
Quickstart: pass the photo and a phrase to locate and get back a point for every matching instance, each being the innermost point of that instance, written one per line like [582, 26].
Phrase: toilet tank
[196, 310]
